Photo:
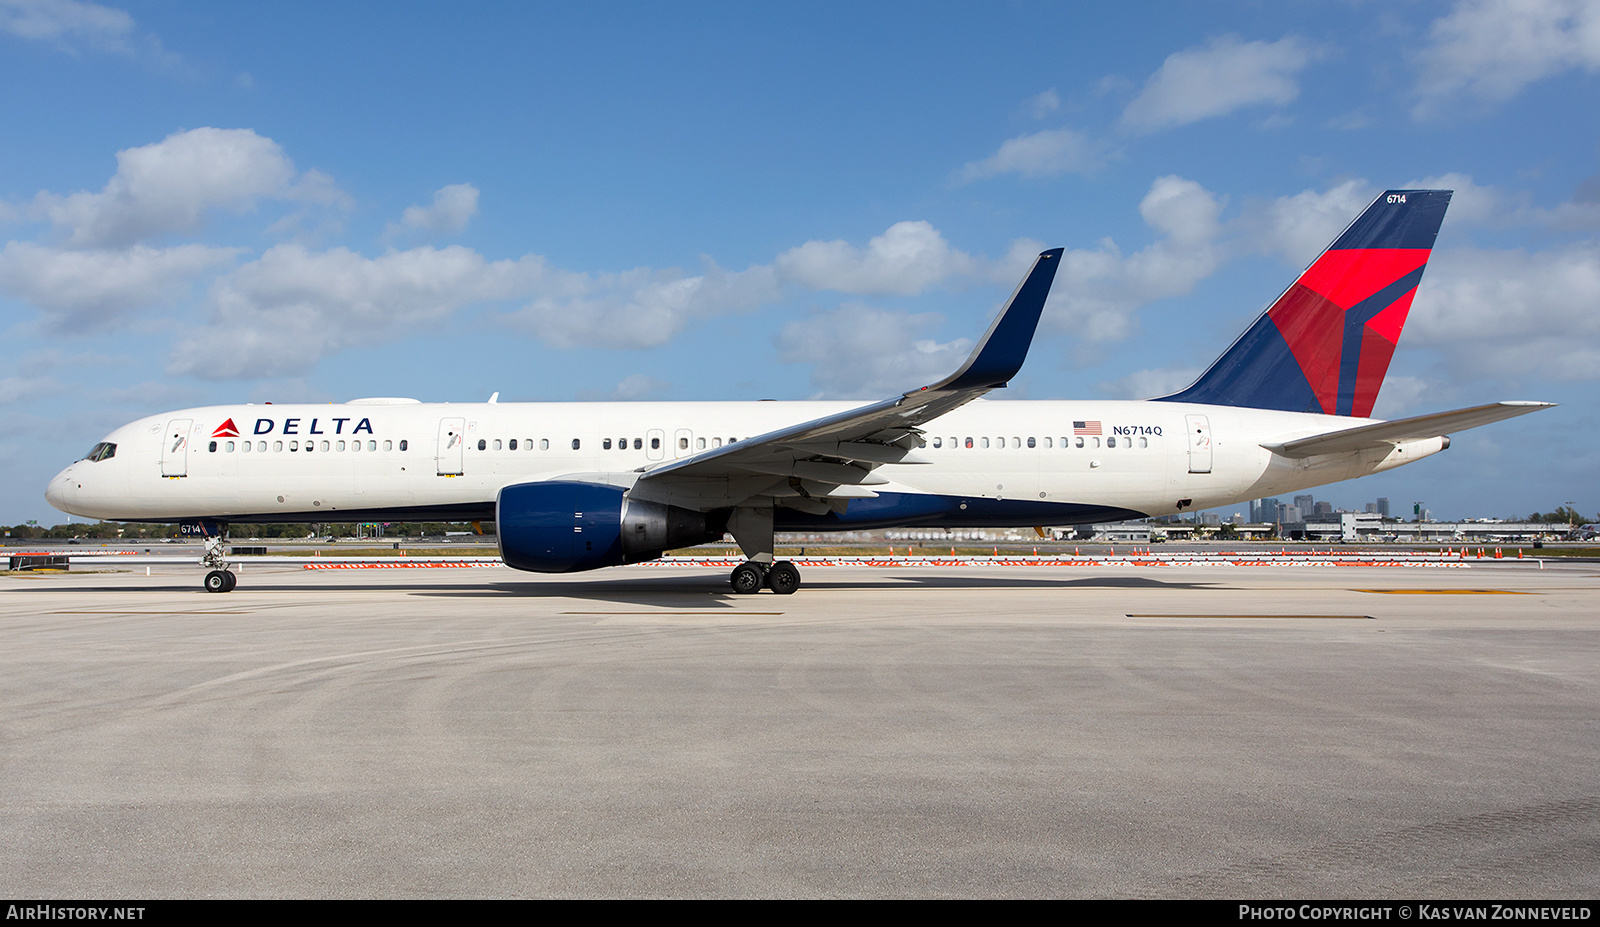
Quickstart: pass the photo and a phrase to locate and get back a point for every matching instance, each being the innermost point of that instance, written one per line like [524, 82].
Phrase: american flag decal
[1085, 428]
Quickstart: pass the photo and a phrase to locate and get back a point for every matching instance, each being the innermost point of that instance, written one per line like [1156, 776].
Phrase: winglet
[1004, 347]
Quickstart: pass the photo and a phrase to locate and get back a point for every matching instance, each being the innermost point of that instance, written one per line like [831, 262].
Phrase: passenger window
[969, 442]
[246, 447]
[371, 446]
[1031, 442]
[1144, 442]
[605, 444]
[1047, 443]
[294, 446]
[1111, 442]
[938, 442]
[574, 443]
[277, 445]
[482, 444]
[1096, 442]
[544, 444]
[1016, 443]
[324, 446]
[655, 444]
[512, 445]
[683, 444]
[1080, 442]
[497, 444]
[985, 441]
[638, 444]
[213, 447]
[340, 446]
[718, 441]
[402, 445]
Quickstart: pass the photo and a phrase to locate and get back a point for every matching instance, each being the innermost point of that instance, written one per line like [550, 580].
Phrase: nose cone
[59, 492]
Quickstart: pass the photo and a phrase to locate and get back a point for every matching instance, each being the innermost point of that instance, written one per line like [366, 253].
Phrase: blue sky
[211, 203]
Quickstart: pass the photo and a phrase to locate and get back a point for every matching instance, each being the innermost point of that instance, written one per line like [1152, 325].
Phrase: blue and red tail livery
[1324, 345]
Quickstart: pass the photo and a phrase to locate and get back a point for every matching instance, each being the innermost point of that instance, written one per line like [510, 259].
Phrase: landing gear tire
[747, 579]
[232, 580]
[783, 578]
[219, 581]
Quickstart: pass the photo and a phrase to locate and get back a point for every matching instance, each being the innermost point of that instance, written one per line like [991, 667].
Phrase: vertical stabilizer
[1325, 344]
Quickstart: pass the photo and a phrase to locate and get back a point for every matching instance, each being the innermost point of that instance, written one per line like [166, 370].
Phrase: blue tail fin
[1325, 344]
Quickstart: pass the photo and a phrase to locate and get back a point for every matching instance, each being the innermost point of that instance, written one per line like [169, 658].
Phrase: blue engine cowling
[564, 526]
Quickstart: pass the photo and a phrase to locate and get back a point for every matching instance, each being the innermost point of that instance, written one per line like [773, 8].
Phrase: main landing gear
[780, 577]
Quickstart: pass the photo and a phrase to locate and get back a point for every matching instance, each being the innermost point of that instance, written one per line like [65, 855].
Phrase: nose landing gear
[220, 578]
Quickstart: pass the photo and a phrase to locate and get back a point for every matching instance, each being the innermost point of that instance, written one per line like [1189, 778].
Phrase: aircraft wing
[1405, 429]
[842, 449]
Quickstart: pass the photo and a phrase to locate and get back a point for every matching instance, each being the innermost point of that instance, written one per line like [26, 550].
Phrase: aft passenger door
[452, 446]
[1199, 443]
[175, 448]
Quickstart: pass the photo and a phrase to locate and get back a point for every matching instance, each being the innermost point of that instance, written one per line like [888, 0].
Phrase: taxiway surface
[1010, 731]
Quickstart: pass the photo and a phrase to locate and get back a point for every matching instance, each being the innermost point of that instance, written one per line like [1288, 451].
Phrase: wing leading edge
[841, 450]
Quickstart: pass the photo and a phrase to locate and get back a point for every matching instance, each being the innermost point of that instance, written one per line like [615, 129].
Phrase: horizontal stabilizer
[1405, 429]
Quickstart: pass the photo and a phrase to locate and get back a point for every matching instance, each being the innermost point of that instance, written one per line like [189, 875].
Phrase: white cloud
[452, 207]
[168, 186]
[280, 315]
[1511, 314]
[1044, 104]
[1097, 291]
[1298, 227]
[1492, 49]
[1215, 79]
[63, 21]
[632, 388]
[640, 308]
[1401, 395]
[1476, 204]
[78, 289]
[23, 389]
[859, 351]
[1147, 384]
[905, 260]
[1040, 154]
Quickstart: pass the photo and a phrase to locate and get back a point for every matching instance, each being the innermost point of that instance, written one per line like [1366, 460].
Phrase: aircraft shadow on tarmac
[660, 591]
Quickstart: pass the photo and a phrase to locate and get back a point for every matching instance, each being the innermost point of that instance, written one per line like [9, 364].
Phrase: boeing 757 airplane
[579, 486]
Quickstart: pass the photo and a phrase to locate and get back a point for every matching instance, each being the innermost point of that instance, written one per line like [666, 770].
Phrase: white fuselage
[402, 459]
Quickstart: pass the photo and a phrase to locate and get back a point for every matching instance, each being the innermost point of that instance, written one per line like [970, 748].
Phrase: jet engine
[564, 526]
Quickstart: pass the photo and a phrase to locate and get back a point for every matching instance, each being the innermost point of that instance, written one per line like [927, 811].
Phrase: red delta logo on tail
[226, 430]
[1325, 344]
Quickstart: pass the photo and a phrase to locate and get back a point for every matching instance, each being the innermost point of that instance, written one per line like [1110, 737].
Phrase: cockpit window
[102, 451]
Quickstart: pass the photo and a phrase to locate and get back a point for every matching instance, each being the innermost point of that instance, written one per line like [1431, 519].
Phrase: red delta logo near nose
[226, 430]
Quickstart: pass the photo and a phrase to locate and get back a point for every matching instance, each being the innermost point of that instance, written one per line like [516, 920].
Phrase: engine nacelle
[564, 526]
